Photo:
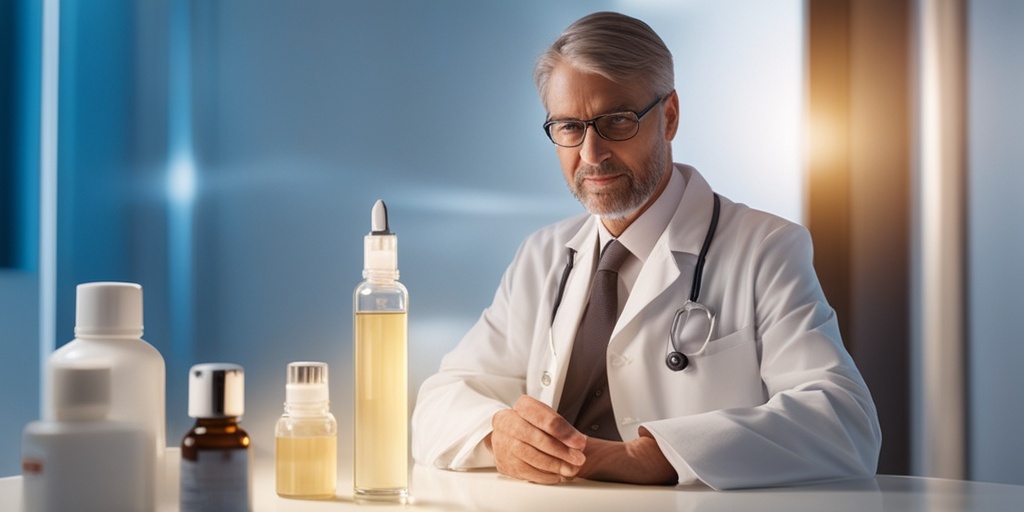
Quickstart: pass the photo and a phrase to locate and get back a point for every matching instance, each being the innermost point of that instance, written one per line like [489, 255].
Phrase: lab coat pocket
[726, 374]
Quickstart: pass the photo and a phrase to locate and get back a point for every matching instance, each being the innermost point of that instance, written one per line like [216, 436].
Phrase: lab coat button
[545, 379]
[618, 361]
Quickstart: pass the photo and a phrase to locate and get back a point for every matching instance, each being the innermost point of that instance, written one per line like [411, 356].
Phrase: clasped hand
[532, 442]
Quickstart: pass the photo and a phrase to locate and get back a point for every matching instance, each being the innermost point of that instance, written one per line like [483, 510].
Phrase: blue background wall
[996, 239]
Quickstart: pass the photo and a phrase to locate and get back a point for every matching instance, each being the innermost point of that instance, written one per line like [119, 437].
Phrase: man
[757, 388]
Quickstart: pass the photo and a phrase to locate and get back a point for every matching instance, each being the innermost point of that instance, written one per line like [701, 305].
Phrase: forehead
[572, 93]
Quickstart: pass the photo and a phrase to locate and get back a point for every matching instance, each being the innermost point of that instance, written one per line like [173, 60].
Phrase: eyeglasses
[616, 126]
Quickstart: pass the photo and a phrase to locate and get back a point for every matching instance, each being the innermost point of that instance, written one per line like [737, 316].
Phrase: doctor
[731, 375]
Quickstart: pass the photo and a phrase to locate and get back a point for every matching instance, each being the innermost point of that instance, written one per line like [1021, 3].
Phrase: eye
[618, 119]
[568, 127]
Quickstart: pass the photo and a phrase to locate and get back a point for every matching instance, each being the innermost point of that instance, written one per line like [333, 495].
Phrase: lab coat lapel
[577, 290]
[685, 234]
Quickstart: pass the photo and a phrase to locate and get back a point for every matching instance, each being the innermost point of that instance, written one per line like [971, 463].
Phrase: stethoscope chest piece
[677, 361]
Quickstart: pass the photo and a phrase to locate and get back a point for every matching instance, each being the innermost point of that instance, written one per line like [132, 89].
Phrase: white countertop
[433, 489]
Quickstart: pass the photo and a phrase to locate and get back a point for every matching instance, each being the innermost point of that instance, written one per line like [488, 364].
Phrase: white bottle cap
[307, 383]
[111, 309]
[216, 390]
[81, 391]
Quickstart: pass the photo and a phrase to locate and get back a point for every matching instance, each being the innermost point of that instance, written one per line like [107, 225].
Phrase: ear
[671, 116]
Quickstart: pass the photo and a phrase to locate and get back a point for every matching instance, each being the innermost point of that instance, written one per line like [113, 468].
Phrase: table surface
[434, 489]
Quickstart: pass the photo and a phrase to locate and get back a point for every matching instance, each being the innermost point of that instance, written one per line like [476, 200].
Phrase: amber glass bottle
[216, 454]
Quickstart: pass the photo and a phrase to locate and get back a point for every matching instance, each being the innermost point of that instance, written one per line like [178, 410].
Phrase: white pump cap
[110, 309]
[307, 383]
[380, 247]
[216, 390]
[81, 391]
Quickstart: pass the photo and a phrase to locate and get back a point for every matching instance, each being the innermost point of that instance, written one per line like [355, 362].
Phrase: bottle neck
[380, 276]
[218, 425]
[307, 409]
[100, 336]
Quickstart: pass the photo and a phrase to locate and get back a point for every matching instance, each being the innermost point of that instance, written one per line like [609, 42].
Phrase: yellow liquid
[382, 417]
[307, 467]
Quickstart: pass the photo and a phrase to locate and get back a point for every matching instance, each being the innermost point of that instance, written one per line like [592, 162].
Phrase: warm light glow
[825, 141]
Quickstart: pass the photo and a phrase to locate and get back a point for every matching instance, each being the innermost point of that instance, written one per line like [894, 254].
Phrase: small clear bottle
[216, 456]
[81, 460]
[381, 451]
[306, 451]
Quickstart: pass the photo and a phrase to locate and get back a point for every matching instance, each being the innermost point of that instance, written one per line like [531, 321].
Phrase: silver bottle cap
[216, 390]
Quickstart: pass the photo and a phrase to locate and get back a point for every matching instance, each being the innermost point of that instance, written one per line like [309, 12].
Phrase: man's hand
[532, 442]
[639, 461]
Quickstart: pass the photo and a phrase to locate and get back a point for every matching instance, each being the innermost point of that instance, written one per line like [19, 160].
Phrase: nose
[594, 149]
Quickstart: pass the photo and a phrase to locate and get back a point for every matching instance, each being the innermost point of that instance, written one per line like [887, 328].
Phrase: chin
[614, 215]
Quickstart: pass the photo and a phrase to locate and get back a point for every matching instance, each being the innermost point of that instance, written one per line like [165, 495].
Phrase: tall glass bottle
[306, 436]
[381, 370]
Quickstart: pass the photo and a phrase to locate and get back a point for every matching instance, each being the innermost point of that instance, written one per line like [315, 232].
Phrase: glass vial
[381, 449]
[216, 455]
[80, 460]
[108, 331]
[306, 451]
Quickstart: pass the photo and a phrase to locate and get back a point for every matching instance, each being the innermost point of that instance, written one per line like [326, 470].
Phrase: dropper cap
[81, 391]
[380, 247]
[307, 383]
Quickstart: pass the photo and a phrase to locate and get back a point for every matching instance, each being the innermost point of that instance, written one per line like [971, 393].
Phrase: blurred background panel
[226, 155]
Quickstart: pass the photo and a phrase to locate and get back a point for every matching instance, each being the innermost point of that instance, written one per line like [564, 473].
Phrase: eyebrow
[620, 108]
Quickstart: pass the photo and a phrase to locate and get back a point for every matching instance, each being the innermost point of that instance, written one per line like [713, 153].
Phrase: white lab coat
[774, 399]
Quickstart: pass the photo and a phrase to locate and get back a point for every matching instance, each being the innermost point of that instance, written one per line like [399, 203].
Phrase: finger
[550, 422]
[531, 464]
[514, 441]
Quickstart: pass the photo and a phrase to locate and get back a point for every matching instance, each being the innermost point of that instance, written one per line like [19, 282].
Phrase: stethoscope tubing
[675, 360]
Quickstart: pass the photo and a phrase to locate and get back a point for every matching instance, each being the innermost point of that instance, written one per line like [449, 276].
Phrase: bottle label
[218, 480]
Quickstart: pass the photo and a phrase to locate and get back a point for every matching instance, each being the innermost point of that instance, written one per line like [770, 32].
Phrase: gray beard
[619, 204]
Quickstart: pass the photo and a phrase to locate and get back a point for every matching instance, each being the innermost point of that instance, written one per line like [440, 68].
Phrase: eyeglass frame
[593, 122]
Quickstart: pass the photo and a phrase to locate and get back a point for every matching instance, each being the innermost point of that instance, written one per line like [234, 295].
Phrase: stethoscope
[675, 359]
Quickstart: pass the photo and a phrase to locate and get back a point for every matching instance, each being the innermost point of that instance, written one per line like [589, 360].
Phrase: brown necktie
[585, 401]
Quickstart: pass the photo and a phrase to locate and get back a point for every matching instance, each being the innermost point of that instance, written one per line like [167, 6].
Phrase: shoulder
[550, 241]
[741, 222]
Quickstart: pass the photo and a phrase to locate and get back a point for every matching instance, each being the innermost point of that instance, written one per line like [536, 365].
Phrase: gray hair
[622, 49]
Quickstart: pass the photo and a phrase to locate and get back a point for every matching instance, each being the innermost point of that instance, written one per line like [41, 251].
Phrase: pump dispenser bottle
[381, 370]
[80, 460]
[108, 331]
[307, 436]
[216, 456]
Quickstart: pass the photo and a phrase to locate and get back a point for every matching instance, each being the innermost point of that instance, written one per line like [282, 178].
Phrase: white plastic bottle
[80, 460]
[381, 369]
[306, 452]
[108, 329]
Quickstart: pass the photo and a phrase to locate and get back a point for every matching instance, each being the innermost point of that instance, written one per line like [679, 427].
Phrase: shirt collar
[641, 236]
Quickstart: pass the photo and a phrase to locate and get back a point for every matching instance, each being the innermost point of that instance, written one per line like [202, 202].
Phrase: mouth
[601, 180]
